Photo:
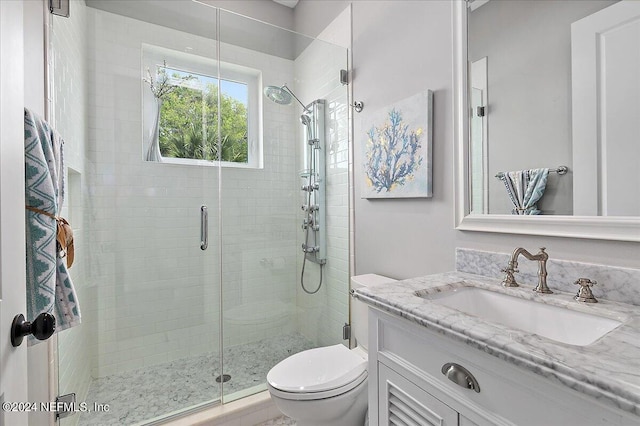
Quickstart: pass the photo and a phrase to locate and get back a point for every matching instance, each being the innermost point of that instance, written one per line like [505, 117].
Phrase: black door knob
[42, 328]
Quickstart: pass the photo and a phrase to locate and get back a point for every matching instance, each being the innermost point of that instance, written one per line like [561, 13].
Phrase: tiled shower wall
[156, 292]
[317, 70]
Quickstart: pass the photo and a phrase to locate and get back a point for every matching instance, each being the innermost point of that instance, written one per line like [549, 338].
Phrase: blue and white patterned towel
[525, 188]
[49, 286]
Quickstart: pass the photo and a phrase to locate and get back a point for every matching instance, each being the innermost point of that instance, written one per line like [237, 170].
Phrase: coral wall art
[397, 149]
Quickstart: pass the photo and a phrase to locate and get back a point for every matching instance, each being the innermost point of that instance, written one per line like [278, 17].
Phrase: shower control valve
[310, 223]
[311, 208]
[310, 249]
[310, 188]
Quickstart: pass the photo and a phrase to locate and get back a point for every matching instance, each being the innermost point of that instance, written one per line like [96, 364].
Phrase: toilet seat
[317, 373]
[305, 396]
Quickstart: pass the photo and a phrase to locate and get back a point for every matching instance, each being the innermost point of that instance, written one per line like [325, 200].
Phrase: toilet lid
[317, 370]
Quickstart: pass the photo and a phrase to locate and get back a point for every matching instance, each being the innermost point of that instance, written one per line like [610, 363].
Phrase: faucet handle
[584, 293]
[509, 280]
[585, 282]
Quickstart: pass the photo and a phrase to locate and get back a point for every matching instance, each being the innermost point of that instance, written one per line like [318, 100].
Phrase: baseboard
[247, 411]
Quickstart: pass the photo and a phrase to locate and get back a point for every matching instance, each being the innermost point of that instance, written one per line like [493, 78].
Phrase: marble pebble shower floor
[143, 394]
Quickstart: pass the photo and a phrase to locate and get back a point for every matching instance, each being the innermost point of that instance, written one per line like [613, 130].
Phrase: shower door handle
[204, 228]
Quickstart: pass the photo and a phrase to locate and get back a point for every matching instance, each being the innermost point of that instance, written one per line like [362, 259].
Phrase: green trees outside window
[189, 119]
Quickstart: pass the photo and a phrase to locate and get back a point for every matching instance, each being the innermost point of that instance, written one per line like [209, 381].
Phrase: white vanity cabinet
[408, 387]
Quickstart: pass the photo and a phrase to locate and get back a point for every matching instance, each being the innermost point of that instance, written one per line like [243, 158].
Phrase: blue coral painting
[397, 150]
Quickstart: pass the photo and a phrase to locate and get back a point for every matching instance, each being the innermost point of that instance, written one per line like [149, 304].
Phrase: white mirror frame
[593, 227]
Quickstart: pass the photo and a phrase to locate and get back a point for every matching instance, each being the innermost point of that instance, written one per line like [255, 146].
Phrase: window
[189, 116]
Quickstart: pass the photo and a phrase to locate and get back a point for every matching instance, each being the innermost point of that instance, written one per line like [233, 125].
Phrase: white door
[605, 63]
[13, 361]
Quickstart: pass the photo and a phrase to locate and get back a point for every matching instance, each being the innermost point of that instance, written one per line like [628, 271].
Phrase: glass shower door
[149, 291]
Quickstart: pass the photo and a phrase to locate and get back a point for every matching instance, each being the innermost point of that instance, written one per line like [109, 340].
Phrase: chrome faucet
[510, 281]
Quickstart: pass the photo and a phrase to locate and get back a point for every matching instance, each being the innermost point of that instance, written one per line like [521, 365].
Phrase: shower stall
[196, 268]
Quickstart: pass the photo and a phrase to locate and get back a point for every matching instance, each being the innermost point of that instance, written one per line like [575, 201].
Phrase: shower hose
[309, 225]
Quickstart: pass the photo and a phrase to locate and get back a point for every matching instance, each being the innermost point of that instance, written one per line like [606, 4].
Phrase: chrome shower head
[305, 119]
[282, 95]
[278, 94]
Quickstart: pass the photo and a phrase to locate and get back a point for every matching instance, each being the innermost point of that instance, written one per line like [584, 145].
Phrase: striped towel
[49, 286]
[525, 188]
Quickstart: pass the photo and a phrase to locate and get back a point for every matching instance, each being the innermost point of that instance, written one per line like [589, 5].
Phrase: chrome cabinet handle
[460, 376]
[204, 228]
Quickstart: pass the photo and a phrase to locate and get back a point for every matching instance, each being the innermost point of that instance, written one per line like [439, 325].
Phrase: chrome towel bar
[561, 170]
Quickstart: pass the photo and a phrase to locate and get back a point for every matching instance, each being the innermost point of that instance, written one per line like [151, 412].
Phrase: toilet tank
[359, 322]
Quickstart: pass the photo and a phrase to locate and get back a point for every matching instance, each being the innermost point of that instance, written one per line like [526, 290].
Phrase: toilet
[327, 386]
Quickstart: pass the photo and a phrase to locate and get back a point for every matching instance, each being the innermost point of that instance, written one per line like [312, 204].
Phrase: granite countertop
[608, 369]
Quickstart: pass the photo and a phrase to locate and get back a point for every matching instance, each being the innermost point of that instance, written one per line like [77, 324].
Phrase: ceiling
[197, 18]
[288, 3]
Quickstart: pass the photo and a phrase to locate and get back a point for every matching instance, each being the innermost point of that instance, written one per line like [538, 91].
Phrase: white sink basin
[553, 322]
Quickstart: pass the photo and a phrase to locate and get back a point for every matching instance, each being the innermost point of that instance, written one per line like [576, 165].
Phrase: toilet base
[347, 409]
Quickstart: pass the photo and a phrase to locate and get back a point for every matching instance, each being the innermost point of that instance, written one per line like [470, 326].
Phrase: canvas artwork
[397, 149]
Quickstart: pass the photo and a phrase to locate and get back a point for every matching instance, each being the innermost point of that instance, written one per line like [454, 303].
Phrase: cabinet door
[401, 402]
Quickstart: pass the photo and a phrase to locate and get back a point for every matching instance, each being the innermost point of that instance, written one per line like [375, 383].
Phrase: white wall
[401, 48]
[311, 17]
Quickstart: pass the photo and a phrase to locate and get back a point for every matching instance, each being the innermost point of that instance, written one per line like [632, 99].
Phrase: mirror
[528, 95]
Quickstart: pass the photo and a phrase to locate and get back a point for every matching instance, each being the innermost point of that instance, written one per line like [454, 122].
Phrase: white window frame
[154, 57]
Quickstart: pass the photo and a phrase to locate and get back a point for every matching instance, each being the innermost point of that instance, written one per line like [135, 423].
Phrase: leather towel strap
[64, 235]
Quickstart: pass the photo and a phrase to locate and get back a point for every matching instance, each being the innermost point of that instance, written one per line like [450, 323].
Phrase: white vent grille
[406, 411]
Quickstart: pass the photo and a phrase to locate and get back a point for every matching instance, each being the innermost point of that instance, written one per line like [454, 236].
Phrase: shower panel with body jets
[314, 225]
